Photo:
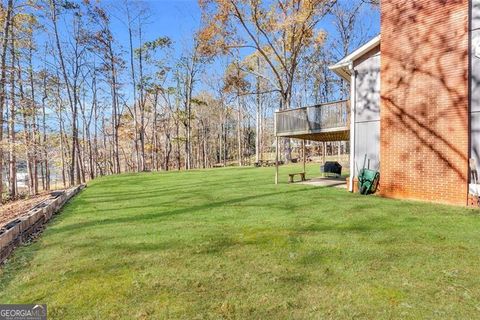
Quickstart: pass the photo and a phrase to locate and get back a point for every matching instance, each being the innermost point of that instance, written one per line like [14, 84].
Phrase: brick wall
[424, 100]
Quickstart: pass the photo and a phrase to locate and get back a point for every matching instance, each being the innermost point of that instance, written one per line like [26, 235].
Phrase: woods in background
[76, 103]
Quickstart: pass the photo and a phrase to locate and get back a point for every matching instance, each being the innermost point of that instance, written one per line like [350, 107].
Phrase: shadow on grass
[165, 214]
[153, 191]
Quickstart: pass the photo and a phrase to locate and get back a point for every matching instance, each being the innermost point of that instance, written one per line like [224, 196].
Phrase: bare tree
[189, 66]
[3, 76]
[11, 124]
[280, 33]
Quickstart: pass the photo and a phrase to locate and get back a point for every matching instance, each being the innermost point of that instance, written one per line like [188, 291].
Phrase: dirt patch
[16, 208]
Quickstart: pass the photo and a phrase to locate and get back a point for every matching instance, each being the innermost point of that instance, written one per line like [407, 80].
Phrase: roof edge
[342, 67]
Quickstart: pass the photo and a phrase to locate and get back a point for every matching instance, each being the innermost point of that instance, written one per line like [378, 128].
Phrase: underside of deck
[341, 134]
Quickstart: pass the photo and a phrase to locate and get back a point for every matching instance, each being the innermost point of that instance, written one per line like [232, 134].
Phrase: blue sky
[176, 19]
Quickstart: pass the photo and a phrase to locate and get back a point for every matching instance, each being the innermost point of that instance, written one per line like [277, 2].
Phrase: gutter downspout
[353, 83]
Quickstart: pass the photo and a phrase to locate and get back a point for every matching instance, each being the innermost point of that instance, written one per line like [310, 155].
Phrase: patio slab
[326, 182]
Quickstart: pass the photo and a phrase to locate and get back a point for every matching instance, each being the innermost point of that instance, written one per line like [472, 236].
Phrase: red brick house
[415, 101]
[415, 106]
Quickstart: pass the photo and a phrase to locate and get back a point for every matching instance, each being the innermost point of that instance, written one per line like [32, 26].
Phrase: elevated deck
[324, 122]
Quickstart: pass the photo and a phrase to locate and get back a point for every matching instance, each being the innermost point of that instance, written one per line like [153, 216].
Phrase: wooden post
[276, 160]
[303, 151]
[324, 152]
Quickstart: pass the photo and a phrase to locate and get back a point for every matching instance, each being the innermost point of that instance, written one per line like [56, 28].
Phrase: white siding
[367, 110]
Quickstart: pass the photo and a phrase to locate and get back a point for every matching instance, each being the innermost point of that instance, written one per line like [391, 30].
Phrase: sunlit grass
[228, 243]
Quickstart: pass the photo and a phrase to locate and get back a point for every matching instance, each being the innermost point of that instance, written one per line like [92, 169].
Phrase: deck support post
[276, 160]
[303, 153]
[324, 152]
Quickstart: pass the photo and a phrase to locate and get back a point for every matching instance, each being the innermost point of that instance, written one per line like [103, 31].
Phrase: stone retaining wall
[19, 229]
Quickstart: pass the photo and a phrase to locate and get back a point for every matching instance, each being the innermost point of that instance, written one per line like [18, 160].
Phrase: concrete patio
[340, 182]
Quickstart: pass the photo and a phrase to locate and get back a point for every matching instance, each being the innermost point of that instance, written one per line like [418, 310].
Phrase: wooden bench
[292, 175]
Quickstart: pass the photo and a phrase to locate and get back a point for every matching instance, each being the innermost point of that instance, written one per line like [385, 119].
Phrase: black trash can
[332, 167]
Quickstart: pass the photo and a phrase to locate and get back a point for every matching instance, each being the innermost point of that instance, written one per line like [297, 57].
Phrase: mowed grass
[228, 243]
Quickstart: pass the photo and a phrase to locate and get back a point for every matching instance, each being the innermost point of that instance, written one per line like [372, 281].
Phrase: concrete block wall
[425, 100]
[27, 224]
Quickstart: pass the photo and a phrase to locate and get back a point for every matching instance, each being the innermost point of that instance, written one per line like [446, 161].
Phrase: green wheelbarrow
[368, 181]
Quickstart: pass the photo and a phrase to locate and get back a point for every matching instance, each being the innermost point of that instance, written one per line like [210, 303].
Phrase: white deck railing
[326, 117]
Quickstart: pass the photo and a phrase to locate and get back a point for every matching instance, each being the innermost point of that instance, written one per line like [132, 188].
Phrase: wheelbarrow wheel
[364, 189]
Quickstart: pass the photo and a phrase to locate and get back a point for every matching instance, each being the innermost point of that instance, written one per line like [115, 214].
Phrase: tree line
[76, 103]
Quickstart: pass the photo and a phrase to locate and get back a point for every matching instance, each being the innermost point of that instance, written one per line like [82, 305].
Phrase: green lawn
[228, 243]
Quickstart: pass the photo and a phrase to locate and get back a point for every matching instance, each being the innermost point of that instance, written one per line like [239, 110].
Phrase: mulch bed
[17, 208]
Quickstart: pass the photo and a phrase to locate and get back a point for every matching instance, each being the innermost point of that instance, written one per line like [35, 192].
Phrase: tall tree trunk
[115, 117]
[142, 104]
[177, 140]
[224, 137]
[33, 110]
[62, 152]
[155, 147]
[44, 142]
[168, 151]
[3, 57]
[26, 130]
[258, 116]
[134, 84]
[188, 144]
[204, 148]
[95, 139]
[91, 166]
[59, 110]
[239, 131]
[11, 126]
